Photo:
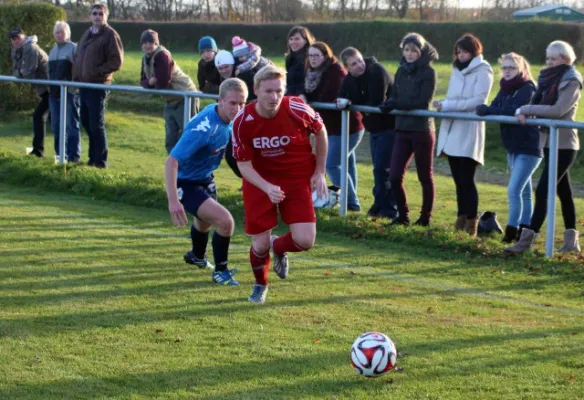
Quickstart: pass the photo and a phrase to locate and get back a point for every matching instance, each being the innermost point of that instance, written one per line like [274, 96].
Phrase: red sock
[285, 244]
[260, 265]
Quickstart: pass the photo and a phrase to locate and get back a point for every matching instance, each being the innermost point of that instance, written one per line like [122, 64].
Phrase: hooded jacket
[466, 90]
[61, 65]
[413, 90]
[565, 108]
[30, 62]
[370, 89]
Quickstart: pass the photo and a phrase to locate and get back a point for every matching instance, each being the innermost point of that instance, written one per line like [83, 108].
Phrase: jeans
[72, 139]
[39, 125]
[463, 171]
[92, 113]
[566, 159]
[173, 122]
[522, 167]
[381, 144]
[333, 164]
[421, 146]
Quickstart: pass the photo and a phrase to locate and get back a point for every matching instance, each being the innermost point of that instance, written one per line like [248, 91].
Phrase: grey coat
[30, 62]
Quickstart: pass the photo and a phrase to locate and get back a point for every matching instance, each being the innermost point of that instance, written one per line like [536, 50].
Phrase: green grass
[97, 303]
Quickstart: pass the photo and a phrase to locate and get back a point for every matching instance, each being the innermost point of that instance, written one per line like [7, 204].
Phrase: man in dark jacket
[99, 54]
[207, 74]
[369, 83]
[29, 61]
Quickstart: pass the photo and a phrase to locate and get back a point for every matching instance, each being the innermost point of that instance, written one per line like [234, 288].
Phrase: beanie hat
[239, 47]
[413, 39]
[224, 57]
[207, 43]
[149, 36]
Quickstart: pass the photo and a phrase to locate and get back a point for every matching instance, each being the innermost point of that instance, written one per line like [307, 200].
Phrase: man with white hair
[29, 61]
[61, 69]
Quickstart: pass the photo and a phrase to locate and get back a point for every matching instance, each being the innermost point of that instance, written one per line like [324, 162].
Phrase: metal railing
[552, 124]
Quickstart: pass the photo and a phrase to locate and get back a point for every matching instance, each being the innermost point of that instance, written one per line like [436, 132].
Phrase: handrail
[550, 123]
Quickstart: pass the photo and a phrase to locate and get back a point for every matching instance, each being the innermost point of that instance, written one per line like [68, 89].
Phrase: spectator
[324, 77]
[415, 83]
[160, 71]
[524, 151]
[248, 55]
[207, 74]
[369, 83]
[299, 40]
[61, 69]
[99, 54]
[557, 97]
[463, 142]
[29, 61]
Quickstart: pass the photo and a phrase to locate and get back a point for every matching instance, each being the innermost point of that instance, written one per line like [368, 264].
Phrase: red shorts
[261, 215]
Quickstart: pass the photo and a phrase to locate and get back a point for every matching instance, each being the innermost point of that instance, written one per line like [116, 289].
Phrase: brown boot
[471, 226]
[459, 224]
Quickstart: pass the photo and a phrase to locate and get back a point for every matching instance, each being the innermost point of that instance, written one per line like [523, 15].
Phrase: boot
[521, 228]
[571, 242]
[471, 226]
[459, 224]
[525, 242]
[510, 234]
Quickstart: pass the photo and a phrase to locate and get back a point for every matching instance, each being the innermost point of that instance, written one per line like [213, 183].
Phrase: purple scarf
[512, 85]
[548, 82]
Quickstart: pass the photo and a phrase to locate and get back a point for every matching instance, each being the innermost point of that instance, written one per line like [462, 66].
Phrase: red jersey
[279, 148]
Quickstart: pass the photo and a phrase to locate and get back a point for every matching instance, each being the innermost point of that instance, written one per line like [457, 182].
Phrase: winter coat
[370, 89]
[61, 66]
[327, 92]
[98, 56]
[208, 77]
[466, 90]
[517, 139]
[30, 62]
[565, 108]
[295, 72]
[413, 90]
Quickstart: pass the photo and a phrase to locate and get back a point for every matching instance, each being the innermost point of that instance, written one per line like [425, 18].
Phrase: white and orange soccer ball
[373, 354]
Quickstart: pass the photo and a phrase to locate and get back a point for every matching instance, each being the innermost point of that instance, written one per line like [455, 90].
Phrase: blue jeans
[72, 140]
[333, 164]
[381, 144]
[92, 115]
[522, 167]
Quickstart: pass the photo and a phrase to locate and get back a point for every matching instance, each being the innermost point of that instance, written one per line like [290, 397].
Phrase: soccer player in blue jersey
[190, 185]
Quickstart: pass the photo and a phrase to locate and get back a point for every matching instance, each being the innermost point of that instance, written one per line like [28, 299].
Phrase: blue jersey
[201, 146]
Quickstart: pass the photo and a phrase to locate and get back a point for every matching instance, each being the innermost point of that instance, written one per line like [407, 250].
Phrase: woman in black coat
[299, 40]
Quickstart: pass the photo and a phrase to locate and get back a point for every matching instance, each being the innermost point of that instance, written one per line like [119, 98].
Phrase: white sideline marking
[328, 263]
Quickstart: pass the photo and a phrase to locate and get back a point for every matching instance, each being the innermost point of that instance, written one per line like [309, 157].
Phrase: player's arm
[176, 209]
[274, 192]
[318, 179]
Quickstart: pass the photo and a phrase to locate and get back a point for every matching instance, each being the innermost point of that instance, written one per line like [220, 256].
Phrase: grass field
[96, 302]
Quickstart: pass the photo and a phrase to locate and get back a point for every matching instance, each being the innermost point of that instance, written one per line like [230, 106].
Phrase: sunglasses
[95, 13]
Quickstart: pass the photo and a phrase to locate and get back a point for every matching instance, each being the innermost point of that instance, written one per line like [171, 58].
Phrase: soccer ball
[373, 354]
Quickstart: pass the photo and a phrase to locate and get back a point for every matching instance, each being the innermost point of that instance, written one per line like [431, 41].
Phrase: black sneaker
[422, 221]
[201, 263]
[373, 211]
[400, 221]
[354, 207]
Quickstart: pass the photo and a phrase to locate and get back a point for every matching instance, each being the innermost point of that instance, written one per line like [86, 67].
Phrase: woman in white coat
[463, 142]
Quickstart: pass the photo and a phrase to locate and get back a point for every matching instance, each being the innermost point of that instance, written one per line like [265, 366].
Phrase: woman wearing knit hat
[207, 74]
[160, 71]
[248, 55]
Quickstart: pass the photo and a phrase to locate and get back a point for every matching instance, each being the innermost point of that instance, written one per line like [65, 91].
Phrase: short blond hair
[63, 26]
[267, 73]
[562, 49]
[232, 85]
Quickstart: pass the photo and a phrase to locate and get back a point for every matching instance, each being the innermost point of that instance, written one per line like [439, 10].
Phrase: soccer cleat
[225, 277]
[258, 294]
[201, 263]
[280, 260]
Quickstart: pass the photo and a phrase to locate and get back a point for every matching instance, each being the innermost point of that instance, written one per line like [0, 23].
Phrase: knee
[225, 226]
[261, 245]
[305, 240]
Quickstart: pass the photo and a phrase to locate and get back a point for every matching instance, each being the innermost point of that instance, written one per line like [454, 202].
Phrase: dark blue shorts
[192, 194]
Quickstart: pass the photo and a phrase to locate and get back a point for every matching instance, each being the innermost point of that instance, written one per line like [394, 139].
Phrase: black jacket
[517, 139]
[295, 72]
[370, 89]
[208, 77]
[413, 90]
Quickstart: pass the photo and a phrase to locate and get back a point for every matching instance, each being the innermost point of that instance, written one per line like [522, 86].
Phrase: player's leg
[259, 258]
[211, 213]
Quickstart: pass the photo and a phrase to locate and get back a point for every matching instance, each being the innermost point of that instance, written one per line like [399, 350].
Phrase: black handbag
[488, 223]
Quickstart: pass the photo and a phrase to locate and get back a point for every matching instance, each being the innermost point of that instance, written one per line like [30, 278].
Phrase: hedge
[378, 38]
[35, 19]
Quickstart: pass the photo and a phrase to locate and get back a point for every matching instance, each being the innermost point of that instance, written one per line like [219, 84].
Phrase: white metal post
[552, 183]
[187, 111]
[344, 159]
[62, 124]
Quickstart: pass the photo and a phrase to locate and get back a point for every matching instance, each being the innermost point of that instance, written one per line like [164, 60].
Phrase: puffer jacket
[61, 65]
[466, 90]
[31, 62]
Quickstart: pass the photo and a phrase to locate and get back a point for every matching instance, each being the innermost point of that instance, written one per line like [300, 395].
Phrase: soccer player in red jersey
[271, 143]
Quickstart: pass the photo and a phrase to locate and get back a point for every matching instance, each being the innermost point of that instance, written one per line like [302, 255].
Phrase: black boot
[423, 221]
[521, 227]
[400, 221]
[510, 234]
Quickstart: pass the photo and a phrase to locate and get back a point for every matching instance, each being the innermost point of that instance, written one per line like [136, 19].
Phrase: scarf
[313, 76]
[461, 65]
[548, 82]
[408, 67]
[512, 85]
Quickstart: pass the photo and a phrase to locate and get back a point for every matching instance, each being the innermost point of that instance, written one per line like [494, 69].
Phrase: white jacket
[466, 90]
